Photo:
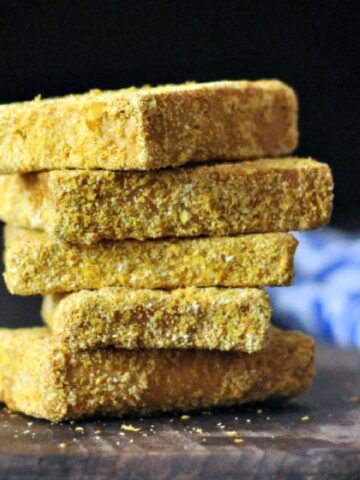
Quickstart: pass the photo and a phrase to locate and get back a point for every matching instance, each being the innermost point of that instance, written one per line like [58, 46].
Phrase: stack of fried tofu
[151, 219]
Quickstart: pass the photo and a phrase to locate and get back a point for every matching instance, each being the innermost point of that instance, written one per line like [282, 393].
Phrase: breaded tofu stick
[85, 206]
[200, 318]
[149, 128]
[37, 264]
[40, 377]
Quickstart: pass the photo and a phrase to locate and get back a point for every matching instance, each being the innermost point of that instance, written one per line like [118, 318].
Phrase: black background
[57, 47]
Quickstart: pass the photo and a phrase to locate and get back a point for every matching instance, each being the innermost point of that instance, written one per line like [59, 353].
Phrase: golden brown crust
[150, 127]
[199, 318]
[84, 206]
[37, 264]
[41, 378]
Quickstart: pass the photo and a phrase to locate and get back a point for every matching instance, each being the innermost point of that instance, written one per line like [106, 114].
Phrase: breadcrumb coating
[85, 206]
[37, 264]
[150, 127]
[40, 377]
[200, 318]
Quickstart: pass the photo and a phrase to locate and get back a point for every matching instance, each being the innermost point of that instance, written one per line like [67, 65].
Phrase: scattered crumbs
[26, 432]
[238, 440]
[62, 445]
[222, 427]
[184, 216]
[79, 429]
[206, 412]
[236, 418]
[129, 428]
[305, 418]
[122, 434]
[131, 440]
[248, 420]
[171, 420]
[184, 417]
[72, 422]
[219, 424]
[97, 437]
[204, 440]
[144, 434]
[29, 424]
[259, 410]
[16, 436]
[198, 430]
[267, 418]
[117, 443]
[231, 433]
[354, 399]
[98, 432]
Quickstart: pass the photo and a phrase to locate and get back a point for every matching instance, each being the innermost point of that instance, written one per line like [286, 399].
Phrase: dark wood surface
[316, 436]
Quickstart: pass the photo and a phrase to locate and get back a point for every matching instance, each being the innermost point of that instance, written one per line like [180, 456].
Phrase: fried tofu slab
[186, 318]
[85, 206]
[38, 264]
[150, 127]
[40, 377]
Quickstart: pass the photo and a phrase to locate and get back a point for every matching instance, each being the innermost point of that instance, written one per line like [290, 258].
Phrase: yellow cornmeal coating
[40, 377]
[37, 264]
[200, 318]
[84, 206]
[150, 127]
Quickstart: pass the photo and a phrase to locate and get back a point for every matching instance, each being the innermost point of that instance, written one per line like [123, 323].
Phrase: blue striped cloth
[325, 299]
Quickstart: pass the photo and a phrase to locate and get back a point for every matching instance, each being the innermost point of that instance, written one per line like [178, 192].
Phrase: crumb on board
[129, 428]
[184, 417]
[231, 433]
[305, 418]
[62, 445]
[354, 399]
[238, 440]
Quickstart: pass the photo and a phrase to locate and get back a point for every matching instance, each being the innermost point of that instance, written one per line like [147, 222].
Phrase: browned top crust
[85, 206]
[150, 127]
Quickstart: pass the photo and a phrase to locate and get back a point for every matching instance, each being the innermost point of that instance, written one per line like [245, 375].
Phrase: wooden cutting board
[316, 436]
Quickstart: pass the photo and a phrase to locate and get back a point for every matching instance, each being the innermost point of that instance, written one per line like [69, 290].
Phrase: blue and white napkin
[325, 298]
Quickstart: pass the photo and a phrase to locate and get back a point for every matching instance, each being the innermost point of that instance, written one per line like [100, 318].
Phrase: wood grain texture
[317, 436]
